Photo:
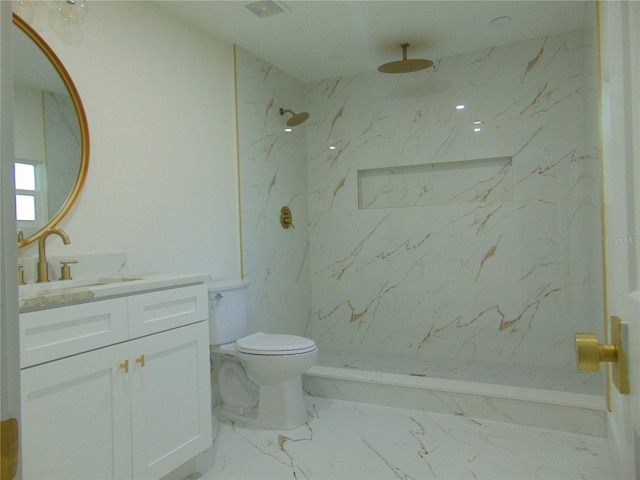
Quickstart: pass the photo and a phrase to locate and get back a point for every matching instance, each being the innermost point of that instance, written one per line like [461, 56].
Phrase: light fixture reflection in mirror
[29, 89]
[66, 18]
[63, 16]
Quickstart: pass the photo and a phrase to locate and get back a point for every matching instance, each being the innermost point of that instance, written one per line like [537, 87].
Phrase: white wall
[28, 123]
[162, 180]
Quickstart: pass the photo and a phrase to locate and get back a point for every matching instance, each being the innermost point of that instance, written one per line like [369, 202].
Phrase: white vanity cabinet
[138, 408]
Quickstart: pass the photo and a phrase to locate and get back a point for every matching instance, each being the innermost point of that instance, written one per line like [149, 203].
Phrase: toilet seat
[275, 344]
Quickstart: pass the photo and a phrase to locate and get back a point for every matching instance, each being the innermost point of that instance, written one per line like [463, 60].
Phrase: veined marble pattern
[479, 180]
[62, 144]
[506, 278]
[505, 269]
[344, 440]
[272, 174]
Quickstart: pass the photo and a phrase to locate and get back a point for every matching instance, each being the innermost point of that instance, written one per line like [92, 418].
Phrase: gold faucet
[43, 273]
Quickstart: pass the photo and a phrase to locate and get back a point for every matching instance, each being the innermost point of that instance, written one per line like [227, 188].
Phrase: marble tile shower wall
[62, 146]
[272, 174]
[502, 265]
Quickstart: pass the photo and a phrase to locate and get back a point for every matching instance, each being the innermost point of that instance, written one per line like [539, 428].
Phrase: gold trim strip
[603, 225]
[235, 82]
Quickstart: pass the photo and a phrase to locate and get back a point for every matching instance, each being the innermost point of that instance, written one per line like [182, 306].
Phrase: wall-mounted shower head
[296, 118]
[405, 65]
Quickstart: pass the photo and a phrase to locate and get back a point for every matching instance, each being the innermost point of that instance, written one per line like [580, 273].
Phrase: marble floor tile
[345, 440]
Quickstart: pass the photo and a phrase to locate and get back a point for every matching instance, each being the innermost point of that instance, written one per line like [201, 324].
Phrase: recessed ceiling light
[460, 106]
[332, 147]
[499, 21]
[288, 129]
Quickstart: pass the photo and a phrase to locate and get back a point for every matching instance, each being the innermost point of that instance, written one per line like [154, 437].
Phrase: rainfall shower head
[405, 65]
[296, 118]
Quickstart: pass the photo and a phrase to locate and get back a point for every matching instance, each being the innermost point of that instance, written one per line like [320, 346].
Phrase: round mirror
[51, 135]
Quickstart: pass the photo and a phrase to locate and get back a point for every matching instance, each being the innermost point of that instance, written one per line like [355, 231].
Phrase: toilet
[260, 378]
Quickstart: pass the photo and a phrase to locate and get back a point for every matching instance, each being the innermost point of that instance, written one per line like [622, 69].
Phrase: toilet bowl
[269, 394]
[260, 377]
[239, 395]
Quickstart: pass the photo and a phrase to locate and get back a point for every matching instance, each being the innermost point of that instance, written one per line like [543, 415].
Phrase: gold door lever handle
[140, 360]
[125, 366]
[589, 353]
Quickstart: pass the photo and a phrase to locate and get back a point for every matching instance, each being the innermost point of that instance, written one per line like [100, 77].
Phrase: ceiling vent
[265, 8]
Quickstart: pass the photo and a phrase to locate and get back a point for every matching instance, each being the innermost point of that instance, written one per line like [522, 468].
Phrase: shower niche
[431, 184]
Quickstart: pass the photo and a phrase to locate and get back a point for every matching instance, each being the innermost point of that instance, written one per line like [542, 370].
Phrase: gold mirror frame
[82, 122]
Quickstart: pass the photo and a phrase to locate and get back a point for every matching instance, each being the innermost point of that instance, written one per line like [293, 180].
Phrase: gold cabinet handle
[140, 360]
[125, 365]
[21, 275]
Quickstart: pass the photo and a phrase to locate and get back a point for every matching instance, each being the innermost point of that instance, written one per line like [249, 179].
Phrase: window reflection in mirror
[31, 193]
[51, 136]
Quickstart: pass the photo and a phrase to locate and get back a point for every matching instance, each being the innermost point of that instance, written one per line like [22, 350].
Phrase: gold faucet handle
[21, 275]
[65, 270]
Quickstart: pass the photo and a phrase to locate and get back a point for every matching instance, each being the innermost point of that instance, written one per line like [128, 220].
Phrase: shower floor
[553, 379]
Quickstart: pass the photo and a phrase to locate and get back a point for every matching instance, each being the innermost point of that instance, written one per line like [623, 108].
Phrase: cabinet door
[170, 399]
[75, 418]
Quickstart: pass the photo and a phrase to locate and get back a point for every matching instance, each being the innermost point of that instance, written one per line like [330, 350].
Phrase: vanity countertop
[64, 292]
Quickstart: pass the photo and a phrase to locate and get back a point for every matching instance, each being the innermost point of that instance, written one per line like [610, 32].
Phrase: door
[170, 399]
[9, 354]
[75, 417]
[620, 69]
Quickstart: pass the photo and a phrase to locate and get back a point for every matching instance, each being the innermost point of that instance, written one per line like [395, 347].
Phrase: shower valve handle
[286, 218]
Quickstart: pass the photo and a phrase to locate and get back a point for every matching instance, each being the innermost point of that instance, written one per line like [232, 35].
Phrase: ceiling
[317, 39]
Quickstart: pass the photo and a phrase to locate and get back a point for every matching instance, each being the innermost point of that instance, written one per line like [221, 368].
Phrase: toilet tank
[227, 311]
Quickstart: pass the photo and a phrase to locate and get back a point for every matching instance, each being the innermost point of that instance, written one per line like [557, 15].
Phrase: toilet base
[280, 406]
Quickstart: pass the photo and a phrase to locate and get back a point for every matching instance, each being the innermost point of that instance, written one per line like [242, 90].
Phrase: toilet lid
[273, 344]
